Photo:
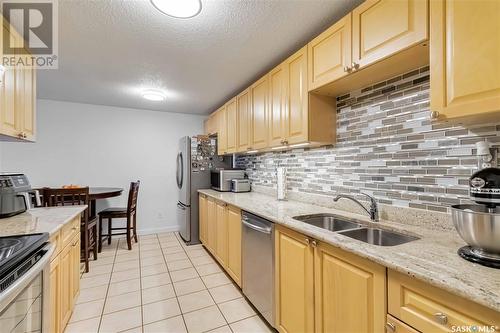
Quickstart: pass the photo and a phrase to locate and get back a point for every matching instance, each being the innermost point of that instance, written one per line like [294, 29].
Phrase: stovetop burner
[479, 257]
[14, 249]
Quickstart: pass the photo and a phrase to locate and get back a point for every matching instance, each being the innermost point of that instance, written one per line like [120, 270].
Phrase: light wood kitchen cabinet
[330, 54]
[277, 107]
[210, 124]
[294, 282]
[221, 233]
[378, 40]
[381, 28]
[349, 292]
[234, 244]
[17, 97]
[296, 117]
[55, 295]
[64, 274]
[203, 218]
[320, 288]
[259, 103]
[230, 126]
[223, 239]
[394, 325]
[222, 131]
[211, 224]
[66, 290]
[244, 121]
[75, 268]
[429, 309]
[465, 53]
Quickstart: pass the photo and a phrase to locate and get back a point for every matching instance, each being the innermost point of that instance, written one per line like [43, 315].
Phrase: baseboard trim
[158, 230]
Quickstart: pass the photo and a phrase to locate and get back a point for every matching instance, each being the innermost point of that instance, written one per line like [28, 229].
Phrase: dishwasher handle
[256, 227]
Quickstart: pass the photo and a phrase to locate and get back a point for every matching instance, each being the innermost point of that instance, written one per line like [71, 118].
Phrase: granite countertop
[37, 220]
[433, 258]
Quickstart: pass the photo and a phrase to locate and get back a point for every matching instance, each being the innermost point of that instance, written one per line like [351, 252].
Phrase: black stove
[16, 250]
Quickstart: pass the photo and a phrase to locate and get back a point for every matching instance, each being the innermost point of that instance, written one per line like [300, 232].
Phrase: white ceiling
[109, 49]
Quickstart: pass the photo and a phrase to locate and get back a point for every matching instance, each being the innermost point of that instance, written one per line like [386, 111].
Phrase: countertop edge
[484, 301]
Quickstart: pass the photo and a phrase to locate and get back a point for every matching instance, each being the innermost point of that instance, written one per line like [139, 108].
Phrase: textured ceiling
[109, 49]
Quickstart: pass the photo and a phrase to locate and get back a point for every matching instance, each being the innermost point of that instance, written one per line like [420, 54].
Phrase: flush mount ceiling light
[178, 8]
[154, 95]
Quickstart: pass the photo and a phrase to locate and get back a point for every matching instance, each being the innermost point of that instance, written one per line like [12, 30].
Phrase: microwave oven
[221, 179]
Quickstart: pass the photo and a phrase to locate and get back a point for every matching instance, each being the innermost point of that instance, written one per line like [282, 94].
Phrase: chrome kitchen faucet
[373, 211]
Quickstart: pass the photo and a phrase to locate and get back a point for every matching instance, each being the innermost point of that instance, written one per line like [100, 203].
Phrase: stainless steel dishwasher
[258, 264]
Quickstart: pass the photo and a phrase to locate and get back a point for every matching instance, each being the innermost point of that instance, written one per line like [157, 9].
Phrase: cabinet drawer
[431, 309]
[395, 326]
[69, 230]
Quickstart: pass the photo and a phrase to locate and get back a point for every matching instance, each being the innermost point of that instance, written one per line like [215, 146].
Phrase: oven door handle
[9, 294]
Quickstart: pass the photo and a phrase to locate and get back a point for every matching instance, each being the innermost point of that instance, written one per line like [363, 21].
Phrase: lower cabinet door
[350, 292]
[221, 234]
[65, 285]
[202, 220]
[294, 284]
[234, 244]
[75, 269]
[211, 225]
[55, 295]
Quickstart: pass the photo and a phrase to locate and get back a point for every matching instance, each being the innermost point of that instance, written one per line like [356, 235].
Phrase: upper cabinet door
[465, 58]
[330, 54]
[26, 101]
[381, 28]
[244, 121]
[259, 91]
[296, 119]
[231, 120]
[277, 107]
[9, 119]
[221, 131]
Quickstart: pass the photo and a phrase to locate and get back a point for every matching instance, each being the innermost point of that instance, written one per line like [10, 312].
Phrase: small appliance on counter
[240, 185]
[479, 224]
[221, 179]
[16, 195]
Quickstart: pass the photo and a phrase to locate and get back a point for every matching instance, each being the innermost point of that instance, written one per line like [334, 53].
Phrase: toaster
[240, 185]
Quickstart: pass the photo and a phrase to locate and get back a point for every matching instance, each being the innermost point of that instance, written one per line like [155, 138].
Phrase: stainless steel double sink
[356, 230]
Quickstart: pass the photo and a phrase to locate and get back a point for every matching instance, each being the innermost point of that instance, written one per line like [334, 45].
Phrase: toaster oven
[221, 179]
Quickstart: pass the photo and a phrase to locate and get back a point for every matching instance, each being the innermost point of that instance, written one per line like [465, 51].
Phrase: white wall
[107, 146]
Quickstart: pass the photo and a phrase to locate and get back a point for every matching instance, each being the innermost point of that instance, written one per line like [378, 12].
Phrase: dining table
[98, 192]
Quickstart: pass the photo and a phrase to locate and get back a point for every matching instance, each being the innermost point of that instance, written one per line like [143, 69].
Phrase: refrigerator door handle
[181, 206]
[180, 170]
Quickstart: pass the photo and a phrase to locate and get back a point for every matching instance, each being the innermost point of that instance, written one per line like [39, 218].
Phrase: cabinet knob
[285, 142]
[434, 114]
[314, 243]
[347, 69]
[354, 66]
[441, 318]
[390, 327]
[307, 241]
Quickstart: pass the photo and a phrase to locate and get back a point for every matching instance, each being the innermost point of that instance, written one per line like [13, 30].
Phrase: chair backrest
[132, 197]
[53, 197]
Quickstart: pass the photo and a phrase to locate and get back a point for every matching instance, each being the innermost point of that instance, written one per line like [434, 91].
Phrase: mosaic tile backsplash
[388, 147]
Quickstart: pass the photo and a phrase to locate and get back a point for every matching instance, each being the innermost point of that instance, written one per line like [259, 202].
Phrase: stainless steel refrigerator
[197, 156]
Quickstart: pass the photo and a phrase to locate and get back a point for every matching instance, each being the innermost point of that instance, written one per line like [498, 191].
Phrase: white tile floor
[161, 285]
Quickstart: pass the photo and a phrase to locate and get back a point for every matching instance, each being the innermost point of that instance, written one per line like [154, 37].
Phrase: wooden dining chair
[88, 228]
[129, 213]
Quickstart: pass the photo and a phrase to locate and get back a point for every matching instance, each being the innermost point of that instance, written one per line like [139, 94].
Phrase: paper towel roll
[281, 183]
